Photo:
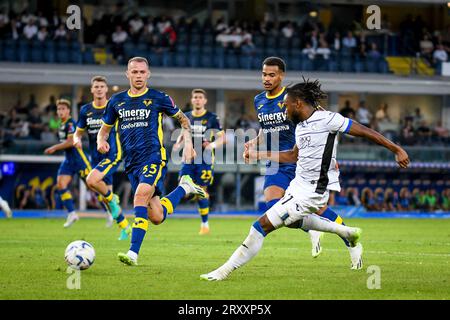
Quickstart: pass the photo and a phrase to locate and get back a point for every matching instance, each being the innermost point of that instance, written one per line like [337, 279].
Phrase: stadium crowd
[123, 30]
[29, 121]
[389, 199]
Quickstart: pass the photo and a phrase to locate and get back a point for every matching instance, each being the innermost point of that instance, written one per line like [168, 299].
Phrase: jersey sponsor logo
[276, 117]
[134, 114]
[94, 122]
[121, 104]
[304, 142]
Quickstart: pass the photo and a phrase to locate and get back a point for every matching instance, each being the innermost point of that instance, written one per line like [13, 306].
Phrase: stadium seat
[284, 43]
[129, 49]
[219, 58]
[258, 41]
[10, 51]
[141, 49]
[372, 65]
[75, 52]
[154, 58]
[245, 61]
[194, 56]
[271, 42]
[37, 54]
[62, 52]
[23, 51]
[208, 39]
[195, 39]
[346, 64]
[231, 60]
[49, 51]
[307, 64]
[88, 56]
[181, 58]
[295, 62]
[321, 64]
[206, 60]
[296, 43]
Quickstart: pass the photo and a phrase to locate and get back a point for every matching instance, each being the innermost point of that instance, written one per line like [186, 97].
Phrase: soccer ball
[79, 255]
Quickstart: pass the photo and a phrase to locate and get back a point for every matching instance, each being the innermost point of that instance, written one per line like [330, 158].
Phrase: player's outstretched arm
[188, 150]
[60, 146]
[102, 138]
[359, 130]
[290, 156]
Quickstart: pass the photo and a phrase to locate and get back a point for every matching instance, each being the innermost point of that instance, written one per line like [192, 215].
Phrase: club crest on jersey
[260, 106]
[89, 114]
[147, 102]
[204, 121]
[280, 105]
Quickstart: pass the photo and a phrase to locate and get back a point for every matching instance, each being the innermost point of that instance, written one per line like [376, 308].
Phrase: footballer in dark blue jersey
[207, 132]
[75, 162]
[279, 134]
[100, 178]
[137, 116]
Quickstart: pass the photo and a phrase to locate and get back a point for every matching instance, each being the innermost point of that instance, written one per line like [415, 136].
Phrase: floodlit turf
[413, 256]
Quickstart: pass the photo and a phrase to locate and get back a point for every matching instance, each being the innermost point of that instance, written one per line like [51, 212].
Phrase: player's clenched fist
[102, 146]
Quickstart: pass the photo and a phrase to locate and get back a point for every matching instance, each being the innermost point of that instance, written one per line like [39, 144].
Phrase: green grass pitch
[413, 256]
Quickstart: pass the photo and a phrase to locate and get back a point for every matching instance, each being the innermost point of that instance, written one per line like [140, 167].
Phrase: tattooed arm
[188, 150]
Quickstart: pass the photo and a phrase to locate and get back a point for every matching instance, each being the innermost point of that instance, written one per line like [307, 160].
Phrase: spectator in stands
[118, 38]
[323, 50]
[426, 47]
[41, 20]
[31, 103]
[390, 200]
[54, 122]
[408, 133]
[288, 30]
[309, 52]
[30, 30]
[352, 197]
[379, 199]
[14, 29]
[373, 52]
[148, 31]
[349, 43]
[424, 132]
[367, 199]
[60, 33]
[382, 113]
[430, 200]
[42, 34]
[47, 136]
[247, 47]
[55, 20]
[444, 200]
[439, 56]
[441, 133]
[51, 107]
[404, 201]
[314, 39]
[135, 26]
[363, 115]
[18, 127]
[418, 199]
[35, 123]
[347, 111]
[221, 25]
[336, 43]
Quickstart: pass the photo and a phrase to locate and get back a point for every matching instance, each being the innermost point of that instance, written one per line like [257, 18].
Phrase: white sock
[314, 222]
[133, 255]
[246, 251]
[205, 224]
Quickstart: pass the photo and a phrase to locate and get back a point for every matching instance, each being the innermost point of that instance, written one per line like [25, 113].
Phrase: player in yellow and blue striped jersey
[75, 162]
[206, 131]
[137, 115]
[100, 178]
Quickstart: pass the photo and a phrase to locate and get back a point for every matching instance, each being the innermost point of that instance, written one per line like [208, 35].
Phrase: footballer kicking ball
[80, 255]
